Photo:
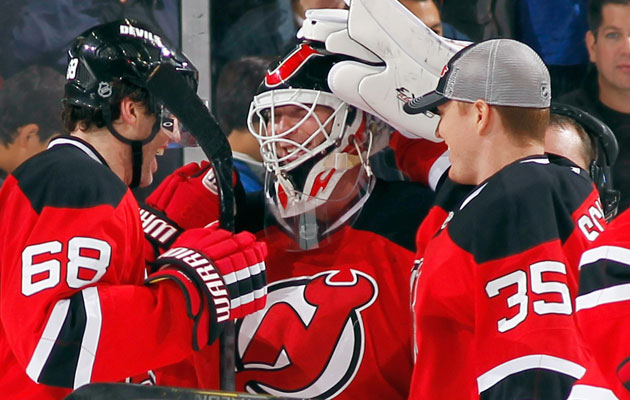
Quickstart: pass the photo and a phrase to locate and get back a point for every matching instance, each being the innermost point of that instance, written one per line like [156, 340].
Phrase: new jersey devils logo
[309, 340]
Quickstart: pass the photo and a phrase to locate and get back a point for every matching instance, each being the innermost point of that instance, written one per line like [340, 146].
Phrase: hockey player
[337, 322]
[602, 305]
[511, 242]
[494, 286]
[74, 303]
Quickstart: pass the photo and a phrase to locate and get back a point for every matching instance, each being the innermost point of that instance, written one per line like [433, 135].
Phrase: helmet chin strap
[136, 146]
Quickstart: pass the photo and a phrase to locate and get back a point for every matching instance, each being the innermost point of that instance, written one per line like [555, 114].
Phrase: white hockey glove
[385, 31]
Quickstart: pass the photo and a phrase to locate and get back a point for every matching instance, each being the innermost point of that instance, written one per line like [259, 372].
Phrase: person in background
[605, 93]
[30, 114]
[429, 13]
[268, 30]
[39, 32]
[236, 87]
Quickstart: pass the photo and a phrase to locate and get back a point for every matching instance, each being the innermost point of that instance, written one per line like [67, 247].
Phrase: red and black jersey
[337, 321]
[420, 159]
[73, 307]
[603, 303]
[493, 302]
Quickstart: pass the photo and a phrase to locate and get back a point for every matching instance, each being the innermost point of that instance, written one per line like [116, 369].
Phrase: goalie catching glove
[395, 58]
[221, 274]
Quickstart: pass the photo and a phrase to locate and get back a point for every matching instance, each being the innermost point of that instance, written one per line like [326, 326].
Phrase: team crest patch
[309, 340]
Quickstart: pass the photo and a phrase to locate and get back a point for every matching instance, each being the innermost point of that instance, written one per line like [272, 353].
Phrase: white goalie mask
[314, 146]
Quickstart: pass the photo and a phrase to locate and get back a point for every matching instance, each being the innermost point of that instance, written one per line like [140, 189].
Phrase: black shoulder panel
[520, 207]
[450, 195]
[395, 211]
[65, 176]
[535, 384]
[603, 274]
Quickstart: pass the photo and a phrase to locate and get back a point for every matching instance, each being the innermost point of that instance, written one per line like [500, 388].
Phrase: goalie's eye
[265, 115]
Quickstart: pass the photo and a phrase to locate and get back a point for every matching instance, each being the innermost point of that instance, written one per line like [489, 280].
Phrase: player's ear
[481, 114]
[590, 40]
[129, 111]
[27, 135]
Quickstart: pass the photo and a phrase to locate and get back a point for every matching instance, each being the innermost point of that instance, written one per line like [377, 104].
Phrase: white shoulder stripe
[89, 346]
[438, 169]
[471, 196]
[586, 392]
[596, 298]
[535, 361]
[613, 253]
[48, 339]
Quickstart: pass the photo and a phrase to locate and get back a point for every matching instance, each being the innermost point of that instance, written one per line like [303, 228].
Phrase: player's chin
[147, 173]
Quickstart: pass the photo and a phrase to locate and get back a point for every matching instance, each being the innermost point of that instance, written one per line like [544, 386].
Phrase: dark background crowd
[589, 66]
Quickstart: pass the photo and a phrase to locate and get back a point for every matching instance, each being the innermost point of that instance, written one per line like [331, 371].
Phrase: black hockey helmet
[121, 50]
[606, 151]
[125, 51]
[306, 67]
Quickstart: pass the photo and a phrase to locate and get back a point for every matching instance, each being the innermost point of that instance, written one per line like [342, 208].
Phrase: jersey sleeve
[74, 307]
[529, 343]
[420, 159]
[603, 303]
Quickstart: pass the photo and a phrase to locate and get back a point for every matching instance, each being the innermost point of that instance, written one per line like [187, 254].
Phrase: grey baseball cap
[502, 72]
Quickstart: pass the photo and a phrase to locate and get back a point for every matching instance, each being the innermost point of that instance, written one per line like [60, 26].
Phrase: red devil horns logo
[290, 65]
[309, 340]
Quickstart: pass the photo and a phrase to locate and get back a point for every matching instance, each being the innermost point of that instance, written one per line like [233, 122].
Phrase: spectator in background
[555, 30]
[30, 114]
[474, 18]
[606, 91]
[429, 13]
[41, 31]
[268, 30]
[236, 88]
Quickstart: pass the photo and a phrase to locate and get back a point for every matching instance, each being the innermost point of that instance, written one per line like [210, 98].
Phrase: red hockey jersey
[337, 322]
[73, 305]
[603, 303]
[493, 297]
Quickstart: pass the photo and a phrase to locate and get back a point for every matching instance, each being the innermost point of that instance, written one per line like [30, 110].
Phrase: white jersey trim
[586, 392]
[89, 345]
[48, 339]
[541, 160]
[75, 143]
[612, 294]
[535, 361]
[438, 169]
[613, 253]
[472, 196]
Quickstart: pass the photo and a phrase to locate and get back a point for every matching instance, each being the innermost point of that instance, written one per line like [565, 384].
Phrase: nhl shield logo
[104, 89]
[309, 340]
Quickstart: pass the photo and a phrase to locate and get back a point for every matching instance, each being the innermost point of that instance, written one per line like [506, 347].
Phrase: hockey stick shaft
[175, 93]
[128, 391]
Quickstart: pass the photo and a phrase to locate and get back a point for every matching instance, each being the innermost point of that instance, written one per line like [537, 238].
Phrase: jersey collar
[81, 145]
